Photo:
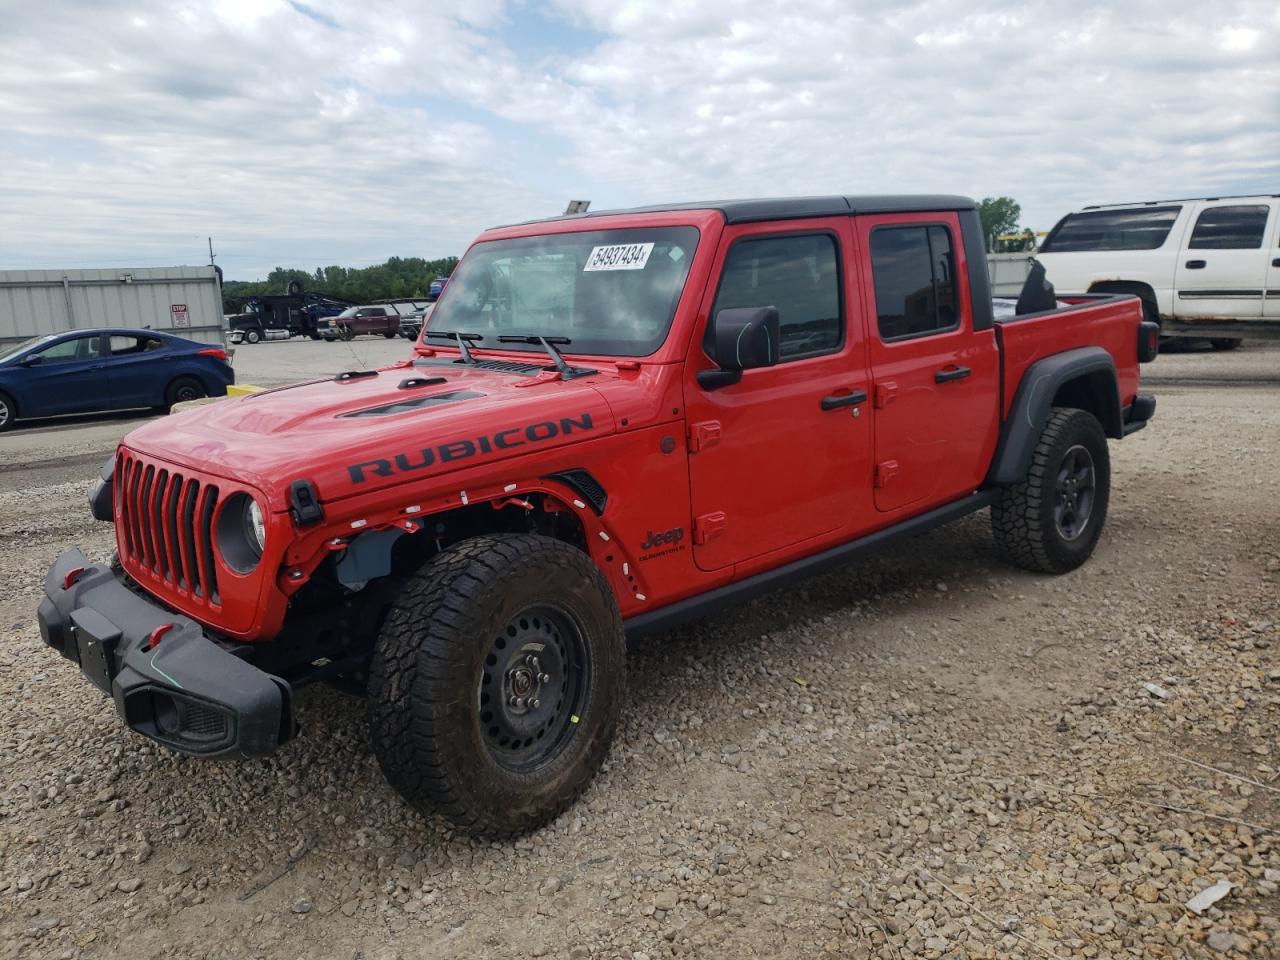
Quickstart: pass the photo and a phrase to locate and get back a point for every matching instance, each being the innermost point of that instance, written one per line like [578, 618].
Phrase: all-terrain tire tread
[427, 636]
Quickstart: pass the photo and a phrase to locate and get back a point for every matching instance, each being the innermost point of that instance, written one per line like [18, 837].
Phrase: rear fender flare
[1088, 368]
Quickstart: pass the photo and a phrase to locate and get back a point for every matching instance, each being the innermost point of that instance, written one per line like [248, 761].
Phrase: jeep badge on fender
[457, 534]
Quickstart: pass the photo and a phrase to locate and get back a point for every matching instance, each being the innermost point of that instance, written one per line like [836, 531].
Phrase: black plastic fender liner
[1034, 401]
[100, 499]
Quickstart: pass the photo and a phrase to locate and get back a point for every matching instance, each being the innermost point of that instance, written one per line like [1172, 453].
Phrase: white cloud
[339, 132]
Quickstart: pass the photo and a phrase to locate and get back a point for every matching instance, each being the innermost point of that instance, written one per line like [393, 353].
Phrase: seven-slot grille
[164, 521]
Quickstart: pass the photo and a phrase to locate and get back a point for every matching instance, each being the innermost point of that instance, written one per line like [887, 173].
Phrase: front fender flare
[1033, 403]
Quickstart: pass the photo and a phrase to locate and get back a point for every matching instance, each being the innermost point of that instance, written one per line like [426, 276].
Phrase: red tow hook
[72, 576]
[153, 638]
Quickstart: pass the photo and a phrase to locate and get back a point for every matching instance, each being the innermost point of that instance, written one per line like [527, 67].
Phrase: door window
[77, 348]
[914, 270]
[1238, 227]
[123, 346]
[797, 274]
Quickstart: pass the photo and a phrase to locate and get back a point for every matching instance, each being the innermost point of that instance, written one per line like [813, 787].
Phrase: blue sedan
[83, 371]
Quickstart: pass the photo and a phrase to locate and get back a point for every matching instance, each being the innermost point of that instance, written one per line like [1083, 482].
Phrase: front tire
[1050, 522]
[497, 681]
[252, 336]
[8, 412]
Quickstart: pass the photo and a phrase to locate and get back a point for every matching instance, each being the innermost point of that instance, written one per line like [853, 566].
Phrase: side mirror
[34, 360]
[740, 338]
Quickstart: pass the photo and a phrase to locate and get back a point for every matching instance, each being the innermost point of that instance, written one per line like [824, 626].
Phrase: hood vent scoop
[418, 403]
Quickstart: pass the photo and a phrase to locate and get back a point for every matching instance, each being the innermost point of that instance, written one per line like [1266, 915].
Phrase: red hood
[308, 431]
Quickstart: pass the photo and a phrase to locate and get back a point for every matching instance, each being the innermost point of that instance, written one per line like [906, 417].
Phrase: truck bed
[1109, 321]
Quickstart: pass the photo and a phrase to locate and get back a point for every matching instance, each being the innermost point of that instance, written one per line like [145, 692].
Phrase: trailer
[185, 301]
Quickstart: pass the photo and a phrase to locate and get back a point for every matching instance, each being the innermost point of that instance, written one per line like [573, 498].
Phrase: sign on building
[179, 315]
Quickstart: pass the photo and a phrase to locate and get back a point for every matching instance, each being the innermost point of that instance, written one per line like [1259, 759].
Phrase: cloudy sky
[341, 132]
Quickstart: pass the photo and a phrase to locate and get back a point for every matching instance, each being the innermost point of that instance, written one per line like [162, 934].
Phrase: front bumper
[169, 680]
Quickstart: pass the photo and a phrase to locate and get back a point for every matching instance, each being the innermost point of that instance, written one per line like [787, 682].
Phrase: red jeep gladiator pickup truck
[611, 424]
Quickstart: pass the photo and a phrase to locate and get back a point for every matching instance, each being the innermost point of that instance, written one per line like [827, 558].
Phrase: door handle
[1195, 264]
[838, 400]
[1276, 262]
[955, 373]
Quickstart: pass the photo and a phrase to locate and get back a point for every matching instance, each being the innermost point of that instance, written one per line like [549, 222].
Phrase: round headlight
[255, 526]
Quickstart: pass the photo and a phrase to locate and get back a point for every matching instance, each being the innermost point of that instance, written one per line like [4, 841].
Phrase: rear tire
[182, 390]
[8, 412]
[1225, 343]
[392, 335]
[1050, 521]
[497, 681]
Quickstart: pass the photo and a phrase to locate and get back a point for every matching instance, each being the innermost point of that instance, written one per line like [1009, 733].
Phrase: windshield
[609, 291]
[349, 312]
[15, 348]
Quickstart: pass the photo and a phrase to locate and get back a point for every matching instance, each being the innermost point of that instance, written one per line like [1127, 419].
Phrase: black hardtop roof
[789, 208]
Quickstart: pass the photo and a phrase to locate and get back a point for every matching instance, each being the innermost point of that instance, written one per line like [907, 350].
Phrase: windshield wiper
[566, 372]
[461, 339]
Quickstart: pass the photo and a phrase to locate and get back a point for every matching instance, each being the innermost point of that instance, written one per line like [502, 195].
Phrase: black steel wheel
[1050, 521]
[533, 686]
[497, 681]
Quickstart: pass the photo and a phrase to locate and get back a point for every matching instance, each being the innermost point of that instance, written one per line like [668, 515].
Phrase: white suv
[1204, 268]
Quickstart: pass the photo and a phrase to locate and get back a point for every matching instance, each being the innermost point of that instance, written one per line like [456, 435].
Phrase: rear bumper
[169, 680]
[1138, 413]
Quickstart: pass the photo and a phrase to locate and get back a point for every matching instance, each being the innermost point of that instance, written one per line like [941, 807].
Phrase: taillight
[216, 352]
[1148, 341]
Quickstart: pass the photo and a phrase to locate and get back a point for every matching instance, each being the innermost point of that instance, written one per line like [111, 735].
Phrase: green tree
[398, 277]
[998, 215]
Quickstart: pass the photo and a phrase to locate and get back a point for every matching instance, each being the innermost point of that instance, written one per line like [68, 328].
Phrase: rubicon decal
[464, 449]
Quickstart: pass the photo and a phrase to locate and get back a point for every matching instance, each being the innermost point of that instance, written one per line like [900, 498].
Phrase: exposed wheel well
[1095, 393]
[1143, 291]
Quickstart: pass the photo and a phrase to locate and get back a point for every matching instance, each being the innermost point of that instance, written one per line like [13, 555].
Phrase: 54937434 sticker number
[618, 256]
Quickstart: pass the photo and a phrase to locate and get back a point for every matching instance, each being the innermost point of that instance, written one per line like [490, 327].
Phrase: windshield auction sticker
[619, 256]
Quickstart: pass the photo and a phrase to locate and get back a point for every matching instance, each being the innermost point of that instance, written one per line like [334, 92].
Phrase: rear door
[69, 377]
[771, 466]
[136, 366]
[935, 379]
[1222, 268]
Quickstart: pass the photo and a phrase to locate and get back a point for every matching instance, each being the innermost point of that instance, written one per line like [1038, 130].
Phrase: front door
[70, 376]
[771, 465]
[936, 379]
[1223, 265]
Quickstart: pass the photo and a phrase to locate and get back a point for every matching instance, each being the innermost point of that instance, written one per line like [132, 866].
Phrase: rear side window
[796, 274]
[1142, 229]
[124, 345]
[914, 271]
[1230, 228]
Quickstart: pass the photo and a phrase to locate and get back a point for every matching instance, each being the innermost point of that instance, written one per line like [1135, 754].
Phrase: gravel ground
[927, 755]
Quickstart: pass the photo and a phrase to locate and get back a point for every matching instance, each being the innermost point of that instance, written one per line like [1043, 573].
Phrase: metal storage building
[186, 301]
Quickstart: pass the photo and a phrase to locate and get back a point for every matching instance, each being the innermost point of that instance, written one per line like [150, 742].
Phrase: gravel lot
[928, 755]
